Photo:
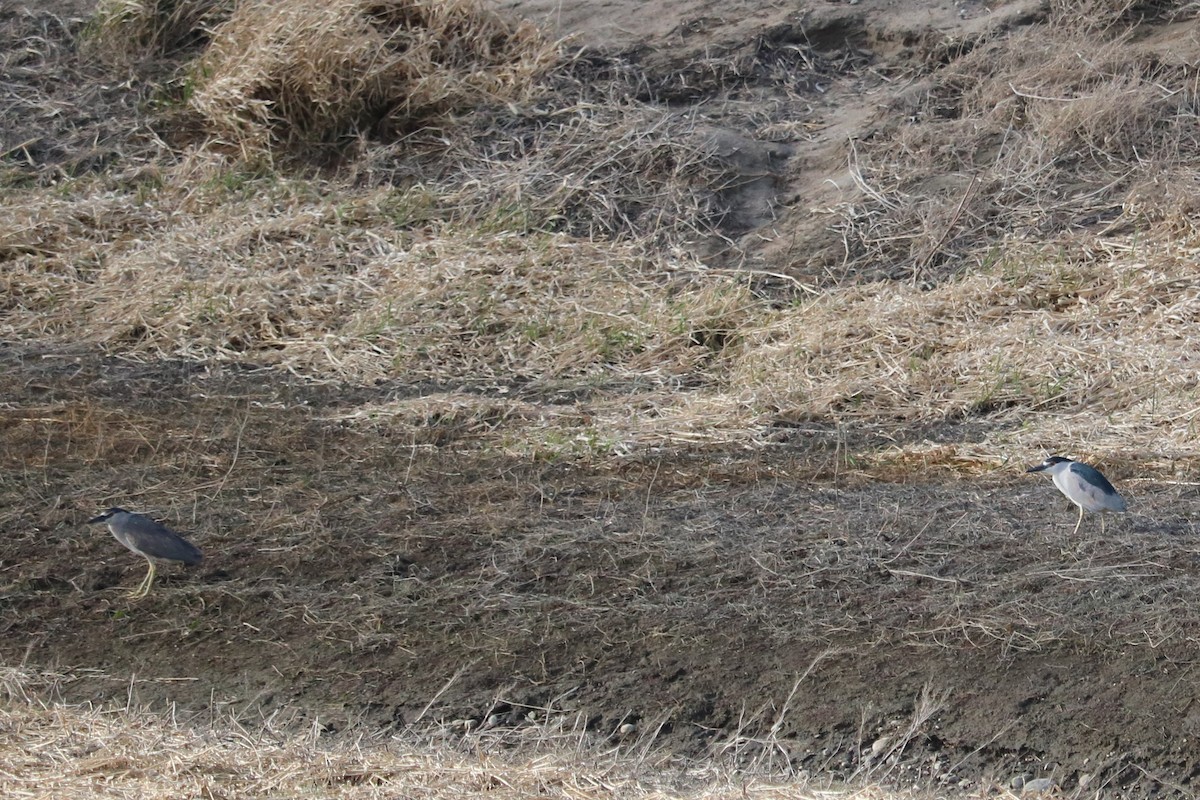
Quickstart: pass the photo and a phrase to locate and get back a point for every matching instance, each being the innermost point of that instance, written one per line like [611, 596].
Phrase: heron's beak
[1038, 468]
[94, 520]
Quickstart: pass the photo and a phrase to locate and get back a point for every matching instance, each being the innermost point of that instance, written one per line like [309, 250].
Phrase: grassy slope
[1085, 339]
[1087, 344]
[529, 339]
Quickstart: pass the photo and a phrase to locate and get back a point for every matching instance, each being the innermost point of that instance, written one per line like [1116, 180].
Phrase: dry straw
[1087, 344]
[53, 749]
[609, 169]
[1037, 134]
[135, 30]
[541, 246]
[312, 72]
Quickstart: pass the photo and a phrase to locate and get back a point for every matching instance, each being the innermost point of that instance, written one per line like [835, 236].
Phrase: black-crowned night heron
[1084, 486]
[149, 540]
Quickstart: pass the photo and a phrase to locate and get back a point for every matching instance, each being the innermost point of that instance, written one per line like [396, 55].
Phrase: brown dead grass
[1105, 15]
[128, 31]
[1031, 136]
[483, 112]
[1082, 345]
[474, 271]
[597, 168]
[318, 73]
[50, 748]
[338, 287]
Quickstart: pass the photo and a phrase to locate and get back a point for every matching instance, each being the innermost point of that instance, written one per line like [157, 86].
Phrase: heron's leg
[150, 578]
[1080, 522]
[136, 593]
[144, 587]
[1102, 525]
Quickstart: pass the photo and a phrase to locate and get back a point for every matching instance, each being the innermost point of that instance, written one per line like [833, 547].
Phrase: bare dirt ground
[750, 605]
[788, 604]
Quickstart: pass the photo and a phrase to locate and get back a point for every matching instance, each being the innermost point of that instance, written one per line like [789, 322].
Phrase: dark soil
[776, 606]
[356, 577]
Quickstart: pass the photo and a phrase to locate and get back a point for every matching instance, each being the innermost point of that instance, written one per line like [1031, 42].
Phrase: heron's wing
[159, 541]
[1100, 494]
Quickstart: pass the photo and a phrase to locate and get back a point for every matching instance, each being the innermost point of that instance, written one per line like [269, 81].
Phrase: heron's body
[148, 539]
[1082, 485]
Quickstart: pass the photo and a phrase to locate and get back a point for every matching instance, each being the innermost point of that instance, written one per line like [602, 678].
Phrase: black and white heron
[148, 539]
[1084, 486]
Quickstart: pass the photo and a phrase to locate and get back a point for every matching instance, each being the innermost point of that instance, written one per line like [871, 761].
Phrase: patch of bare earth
[673, 392]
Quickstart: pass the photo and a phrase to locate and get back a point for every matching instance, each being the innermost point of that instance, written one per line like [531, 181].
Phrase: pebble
[1038, 785]
[1028, 785]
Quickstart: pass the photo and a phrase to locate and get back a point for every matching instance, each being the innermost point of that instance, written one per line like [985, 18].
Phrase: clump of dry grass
[126, 30]
[319, 73]
[486, 113]
[51, 748]
[1050, 130]
[1104, 14]
[579, 154]
[611, 169]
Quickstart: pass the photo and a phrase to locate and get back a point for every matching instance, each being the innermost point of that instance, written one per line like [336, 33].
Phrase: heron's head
[106, 515]
[1049, 464]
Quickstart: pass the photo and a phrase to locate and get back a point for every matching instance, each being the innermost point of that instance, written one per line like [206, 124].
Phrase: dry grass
[1072, 346]
[597, 168]
[127, 31]
[1105, 15]
[319, 73]
[1027, 137]
[1078, 344]
[499, 400]
[54, 749]
[343, 288]
[473, 272]
[491, 117]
